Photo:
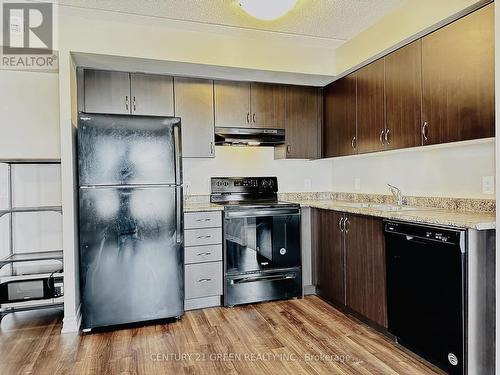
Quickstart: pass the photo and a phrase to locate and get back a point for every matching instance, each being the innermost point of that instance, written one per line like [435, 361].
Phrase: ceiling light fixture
[267, 10]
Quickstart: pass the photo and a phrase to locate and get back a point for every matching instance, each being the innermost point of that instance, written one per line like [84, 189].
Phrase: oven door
[261, 239]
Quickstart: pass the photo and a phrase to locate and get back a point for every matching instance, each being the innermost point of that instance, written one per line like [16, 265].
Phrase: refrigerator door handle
[178, 155]
[178, 214]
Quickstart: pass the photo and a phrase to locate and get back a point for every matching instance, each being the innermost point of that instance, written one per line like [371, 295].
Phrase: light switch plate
[357, 183]
[488, 184]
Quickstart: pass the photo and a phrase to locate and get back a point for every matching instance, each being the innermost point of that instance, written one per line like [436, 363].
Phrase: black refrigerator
[130, 219]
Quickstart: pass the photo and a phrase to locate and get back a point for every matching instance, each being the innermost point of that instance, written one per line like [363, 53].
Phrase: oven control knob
[282, 251]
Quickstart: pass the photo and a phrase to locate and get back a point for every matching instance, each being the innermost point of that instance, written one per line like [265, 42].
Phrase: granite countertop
[459, 219]
[476, 214]
[202, 206]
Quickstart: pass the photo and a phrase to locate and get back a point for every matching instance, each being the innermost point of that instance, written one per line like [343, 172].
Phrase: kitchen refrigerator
[130, 219]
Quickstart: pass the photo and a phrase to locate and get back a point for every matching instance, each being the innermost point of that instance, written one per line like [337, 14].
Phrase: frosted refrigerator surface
[116, 150]
[130, 219]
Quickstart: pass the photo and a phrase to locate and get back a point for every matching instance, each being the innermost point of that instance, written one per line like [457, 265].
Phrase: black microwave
[31, 289]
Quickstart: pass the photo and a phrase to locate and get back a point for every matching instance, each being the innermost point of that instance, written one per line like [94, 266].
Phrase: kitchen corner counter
[201, 206]
[458, 219]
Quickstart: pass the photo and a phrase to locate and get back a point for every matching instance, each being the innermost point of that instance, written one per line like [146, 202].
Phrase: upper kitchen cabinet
[458, 80]
[152, 94]
[267, 105]
[194, 105]
[232, 104]
[128, 93]
[339, 117]
[106, 92]
[371, 107]
[403, 97]
[302, 124]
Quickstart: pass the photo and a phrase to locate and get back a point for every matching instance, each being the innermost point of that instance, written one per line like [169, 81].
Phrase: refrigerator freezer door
[131, 262]
[128, 150]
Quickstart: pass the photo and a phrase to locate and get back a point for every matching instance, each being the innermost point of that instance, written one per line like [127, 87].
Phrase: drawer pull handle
[200, 237]
[200, 254]
[203, 220]
[204, 280]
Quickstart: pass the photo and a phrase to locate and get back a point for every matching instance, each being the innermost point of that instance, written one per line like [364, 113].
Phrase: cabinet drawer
[199, 254]
[196, 237]
[203, 280]
[207, 219]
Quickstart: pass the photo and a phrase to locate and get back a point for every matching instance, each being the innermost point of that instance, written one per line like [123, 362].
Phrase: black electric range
[262, 257]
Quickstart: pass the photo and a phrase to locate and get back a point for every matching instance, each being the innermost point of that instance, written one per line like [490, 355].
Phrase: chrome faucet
[397, 194]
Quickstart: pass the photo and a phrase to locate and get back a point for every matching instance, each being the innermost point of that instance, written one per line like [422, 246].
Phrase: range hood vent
[249, 136]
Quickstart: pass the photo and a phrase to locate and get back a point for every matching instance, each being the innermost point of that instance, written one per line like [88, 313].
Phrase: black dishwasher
[426, 292]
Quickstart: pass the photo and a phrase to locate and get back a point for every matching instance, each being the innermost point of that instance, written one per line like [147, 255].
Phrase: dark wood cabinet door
[302, 121]
[370, 107]
[339, 117]
[403, 96]
[365, 268]
[458, 79]
[232, 104]
[268, 105]
[330, 282]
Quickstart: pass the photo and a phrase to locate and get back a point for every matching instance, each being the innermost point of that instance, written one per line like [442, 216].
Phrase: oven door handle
[288, 276]
[262, 212]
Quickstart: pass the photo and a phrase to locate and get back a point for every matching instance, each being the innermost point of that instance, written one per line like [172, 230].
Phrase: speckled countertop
[455, 212]
[459, 219]
[201, 206]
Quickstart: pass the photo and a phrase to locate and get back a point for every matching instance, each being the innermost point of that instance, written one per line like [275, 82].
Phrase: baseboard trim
[309, 290]
[71, 324]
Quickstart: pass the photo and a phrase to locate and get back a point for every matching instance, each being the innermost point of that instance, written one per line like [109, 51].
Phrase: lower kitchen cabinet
[330, 267]
[350, 263]
[203, 259]
[365, 267]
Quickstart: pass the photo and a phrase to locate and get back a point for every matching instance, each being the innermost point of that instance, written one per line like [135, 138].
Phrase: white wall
[293, 175]
[447, 170]
[29, 115]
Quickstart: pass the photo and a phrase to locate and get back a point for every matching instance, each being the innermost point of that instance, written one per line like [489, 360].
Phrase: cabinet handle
[204, 280]
[353, 142]
[212, 151]
[126, 102]
[204, 254]
[133, 105]
[387, 140]
[340, 224]
[425, 133]
[347, 225]
[253, 118]
[381, 136]
[248, 117]
[200, 237]
[203, 219]
[288, 149]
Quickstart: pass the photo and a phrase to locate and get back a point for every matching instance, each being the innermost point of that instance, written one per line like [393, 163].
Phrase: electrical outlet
[187, 188]
[488, 184]
[307, 183]
[357, 183]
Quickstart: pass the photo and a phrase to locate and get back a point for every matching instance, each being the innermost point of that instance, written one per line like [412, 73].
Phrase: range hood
[249, 136]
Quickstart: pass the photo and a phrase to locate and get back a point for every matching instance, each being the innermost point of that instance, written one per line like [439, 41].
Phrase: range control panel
[253, 185]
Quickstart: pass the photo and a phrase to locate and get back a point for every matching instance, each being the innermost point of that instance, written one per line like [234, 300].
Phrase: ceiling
[339, 20]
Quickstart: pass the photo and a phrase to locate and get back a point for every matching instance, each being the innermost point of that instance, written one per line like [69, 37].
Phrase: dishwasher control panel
[423, 231]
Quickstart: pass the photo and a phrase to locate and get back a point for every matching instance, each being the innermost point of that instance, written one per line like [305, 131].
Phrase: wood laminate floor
[305, 336]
